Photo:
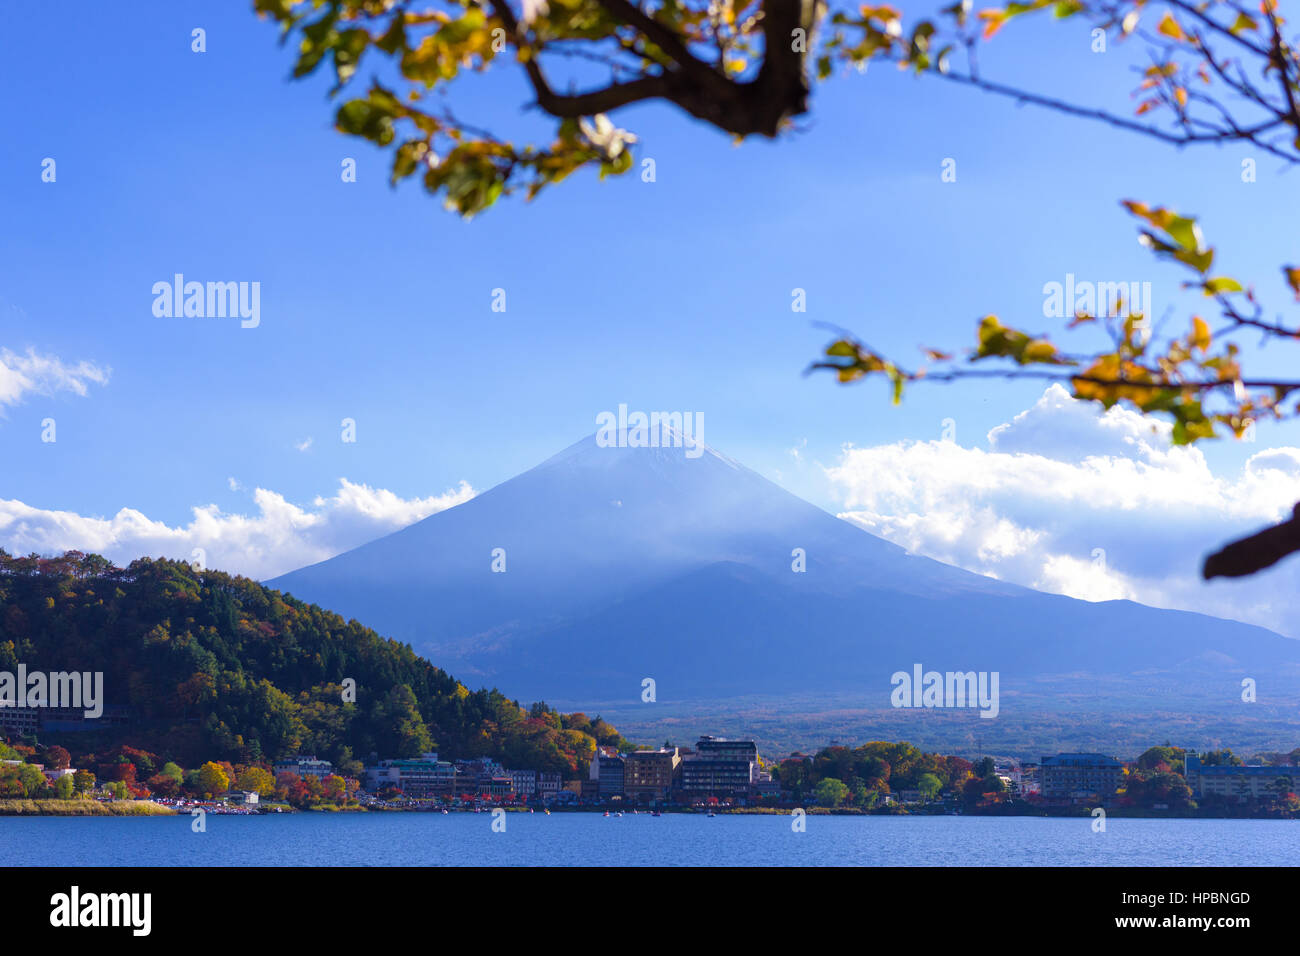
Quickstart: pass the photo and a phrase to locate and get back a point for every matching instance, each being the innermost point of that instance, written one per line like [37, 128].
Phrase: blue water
[419, 839]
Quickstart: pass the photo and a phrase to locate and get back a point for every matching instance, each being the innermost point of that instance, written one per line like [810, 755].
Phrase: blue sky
[666, 295]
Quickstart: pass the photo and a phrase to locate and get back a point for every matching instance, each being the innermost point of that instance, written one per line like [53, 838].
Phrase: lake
[583, 839]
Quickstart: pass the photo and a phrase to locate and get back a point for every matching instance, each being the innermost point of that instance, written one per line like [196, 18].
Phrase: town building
[549, 783]
[423, 776]
[765, 786]
[608, 772]
[702, 776]
[719, 768]
[720, 748]
[306, 766]
[20, 721]
[524, 781]
[1239, 783]
[1025, 778]
[29, 721]
[648, 775]
[1079, 776]
[483, 776]
[51, 775]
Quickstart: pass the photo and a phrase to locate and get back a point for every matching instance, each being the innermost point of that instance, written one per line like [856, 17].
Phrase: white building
[421, 776]
[525, 781]
[304, 767]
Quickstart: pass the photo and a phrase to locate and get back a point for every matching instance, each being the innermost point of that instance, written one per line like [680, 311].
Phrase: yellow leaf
[1170, 28]
[1200, 334]
[1039, 350]
[1242, 23]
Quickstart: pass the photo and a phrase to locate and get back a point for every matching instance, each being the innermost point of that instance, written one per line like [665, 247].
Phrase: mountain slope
[201, 666]
[625, 563]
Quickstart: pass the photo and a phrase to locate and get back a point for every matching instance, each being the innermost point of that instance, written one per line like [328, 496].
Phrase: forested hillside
[210, 666]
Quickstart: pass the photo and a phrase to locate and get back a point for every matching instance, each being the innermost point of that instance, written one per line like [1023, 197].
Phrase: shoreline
[41, 807]
[24, 807]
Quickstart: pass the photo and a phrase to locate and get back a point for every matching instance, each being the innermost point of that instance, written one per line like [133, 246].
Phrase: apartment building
[483, 775]
[306, 766]
[608, 771]
[525, 782]
[702, 776]
[29, 721]
[721, 748]
[423, 776]
[649, 774]
[20, 721]
[719, 768]
[1240, 782]
[1078, 776]
[549, 784]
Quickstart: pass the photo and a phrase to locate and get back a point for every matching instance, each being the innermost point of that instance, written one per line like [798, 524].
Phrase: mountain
[624, 563]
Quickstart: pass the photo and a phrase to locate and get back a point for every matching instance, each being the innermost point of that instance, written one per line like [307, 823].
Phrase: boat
[656, 814]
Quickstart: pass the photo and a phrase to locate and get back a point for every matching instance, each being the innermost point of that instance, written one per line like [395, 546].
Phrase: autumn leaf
[1170, 28]
[1200, 334]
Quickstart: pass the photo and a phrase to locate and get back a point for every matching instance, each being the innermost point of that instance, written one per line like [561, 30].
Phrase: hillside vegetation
[212, 666]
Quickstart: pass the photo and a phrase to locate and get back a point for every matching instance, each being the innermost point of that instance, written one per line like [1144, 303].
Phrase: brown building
[648, 774]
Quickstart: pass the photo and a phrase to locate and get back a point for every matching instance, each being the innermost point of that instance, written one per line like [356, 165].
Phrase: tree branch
[1259, 551]
[1120, 122]
[670, 42]
[574, 105]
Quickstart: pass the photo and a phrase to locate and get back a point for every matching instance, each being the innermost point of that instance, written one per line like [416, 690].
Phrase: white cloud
[279, 537]
[1076, 501]
[1061, 428]
[33, 373]
[304, 444]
